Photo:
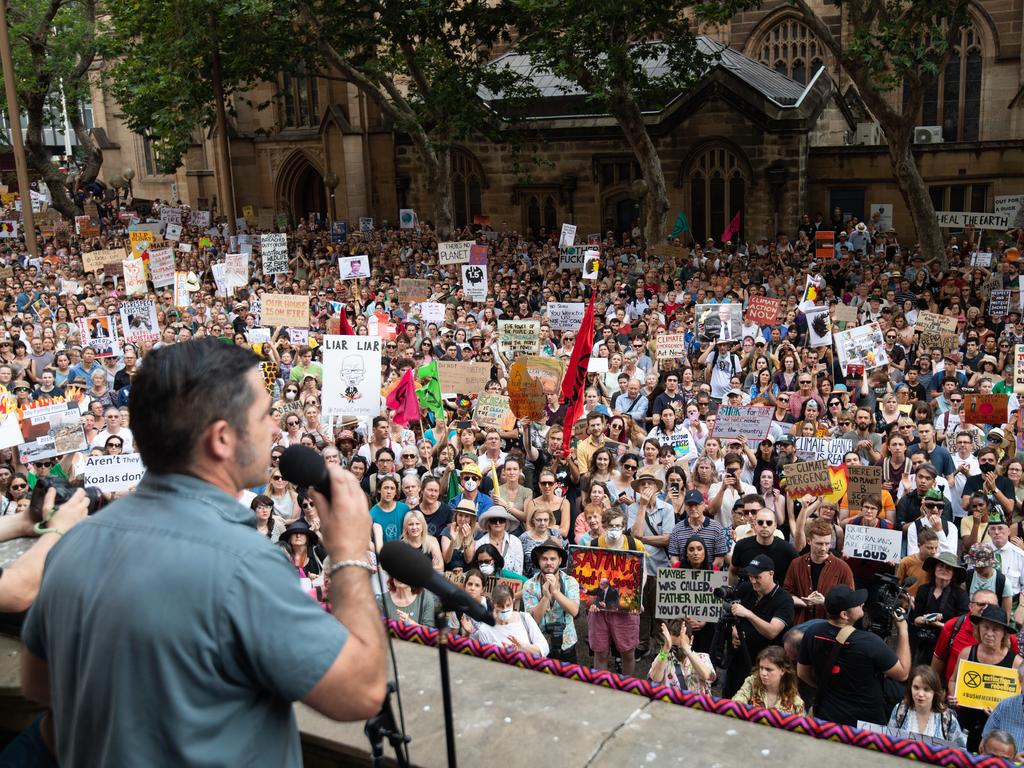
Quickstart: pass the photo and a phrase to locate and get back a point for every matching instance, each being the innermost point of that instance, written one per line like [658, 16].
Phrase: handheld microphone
[305, 468]
[412, 567]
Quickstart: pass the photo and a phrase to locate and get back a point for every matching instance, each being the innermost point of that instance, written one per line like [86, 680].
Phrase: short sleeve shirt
[556, 614]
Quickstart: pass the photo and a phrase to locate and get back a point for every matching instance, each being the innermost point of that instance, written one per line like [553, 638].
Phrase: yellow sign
[249, 214]
[982, 685]
[140, 242]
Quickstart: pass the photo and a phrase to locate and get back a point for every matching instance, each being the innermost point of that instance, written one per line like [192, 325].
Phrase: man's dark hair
[180, 391]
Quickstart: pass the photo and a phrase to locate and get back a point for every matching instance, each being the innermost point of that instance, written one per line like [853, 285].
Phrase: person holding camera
[553, 599]
[849, 665]
[763, 611]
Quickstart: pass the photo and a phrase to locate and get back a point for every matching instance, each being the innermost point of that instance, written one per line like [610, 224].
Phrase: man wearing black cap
[849, 665]
[764, 612]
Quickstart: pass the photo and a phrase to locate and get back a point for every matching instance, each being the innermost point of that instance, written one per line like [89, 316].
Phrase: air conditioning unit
[928, 134]
[868, 133]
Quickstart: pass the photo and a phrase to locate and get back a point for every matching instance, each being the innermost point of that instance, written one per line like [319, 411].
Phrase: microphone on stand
[304, 467]
[411, 567]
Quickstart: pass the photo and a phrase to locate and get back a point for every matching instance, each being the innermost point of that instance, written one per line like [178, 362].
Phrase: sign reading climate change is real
[352, 373]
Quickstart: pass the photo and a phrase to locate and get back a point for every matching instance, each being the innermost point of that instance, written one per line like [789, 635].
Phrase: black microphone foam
[305, 468]
[406, 563]
[909, 581]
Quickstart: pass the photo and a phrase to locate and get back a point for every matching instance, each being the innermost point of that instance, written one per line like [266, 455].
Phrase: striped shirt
[711, 533]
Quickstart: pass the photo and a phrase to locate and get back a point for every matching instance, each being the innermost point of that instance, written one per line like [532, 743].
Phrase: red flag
[344, 324]
[402, 400]
[575, 380]
[733, 228]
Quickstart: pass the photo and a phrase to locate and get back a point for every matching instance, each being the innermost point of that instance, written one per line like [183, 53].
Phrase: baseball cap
[843, 598]
[759, 565]
[693, 497]
[934, 494]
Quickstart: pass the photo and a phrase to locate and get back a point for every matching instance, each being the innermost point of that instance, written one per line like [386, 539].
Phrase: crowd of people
[497, 509]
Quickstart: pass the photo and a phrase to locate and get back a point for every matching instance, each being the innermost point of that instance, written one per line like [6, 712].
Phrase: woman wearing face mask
[489, 562]
[512, 629]
[496, 521]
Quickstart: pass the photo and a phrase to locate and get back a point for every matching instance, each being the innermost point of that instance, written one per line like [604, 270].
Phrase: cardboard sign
[862, 483]
[684, 593]
[492, 411]
[670, 345]
[930, 322]
[526, 392]
[985, 409]
[763, 310]
[981, 686]
[571, 257]
[999, 303]
[285, 309]
[114, 474]
[1018, 370]
[412, 290]
[457, 377]
[824, 244]
[86, 226]
[663, 250]
[807, 478]
[274, 247]
[881, 545]
[453, 252]
[622, 570]
[960, 219]
[567, 236]
[844, 313]
[95, 261]
[478, 254]
[518, 337]
[751, 421]
[566, 316]
[832, 451]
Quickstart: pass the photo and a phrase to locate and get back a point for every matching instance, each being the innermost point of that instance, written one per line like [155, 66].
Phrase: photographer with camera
[553, 599]
[849, 665]
[763, 611]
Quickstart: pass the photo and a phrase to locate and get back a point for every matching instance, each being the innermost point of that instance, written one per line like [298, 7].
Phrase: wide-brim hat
[465, 506]
[300, 526]
[551, 544]
[947, 559]
[496, 513]
[647, 473]
[994, 615]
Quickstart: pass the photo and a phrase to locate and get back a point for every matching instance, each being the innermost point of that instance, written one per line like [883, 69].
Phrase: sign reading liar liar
[879, 544]
[686, 593]
[114, 474]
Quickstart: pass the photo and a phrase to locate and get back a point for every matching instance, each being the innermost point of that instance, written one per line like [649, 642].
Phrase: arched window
[533, 216]
[791, 49]
[717, 191]
[467, 186]
[954, 99]
[550, 214]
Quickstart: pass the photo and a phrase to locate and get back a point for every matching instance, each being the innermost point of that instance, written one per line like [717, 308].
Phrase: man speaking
[166, 630]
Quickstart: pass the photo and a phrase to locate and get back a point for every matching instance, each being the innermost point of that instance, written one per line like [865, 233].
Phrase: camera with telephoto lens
[890, 605]
[726, 594]
[65, 490]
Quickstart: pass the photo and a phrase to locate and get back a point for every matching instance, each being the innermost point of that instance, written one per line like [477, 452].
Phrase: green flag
[429, 393]
[681, 225]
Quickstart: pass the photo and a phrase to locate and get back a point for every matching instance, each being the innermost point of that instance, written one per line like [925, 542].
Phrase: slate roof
[774, 86]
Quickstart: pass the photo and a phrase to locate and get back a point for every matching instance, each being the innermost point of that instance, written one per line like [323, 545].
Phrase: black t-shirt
[439, 520]
[976, 484]
[816, 569]
[778, 604]
[781, 552]
[855, 691]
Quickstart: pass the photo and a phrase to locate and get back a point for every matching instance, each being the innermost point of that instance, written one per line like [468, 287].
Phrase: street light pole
[14, 118]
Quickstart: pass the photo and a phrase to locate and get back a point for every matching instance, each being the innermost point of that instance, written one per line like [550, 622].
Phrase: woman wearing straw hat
[942, 598]
[457, 542]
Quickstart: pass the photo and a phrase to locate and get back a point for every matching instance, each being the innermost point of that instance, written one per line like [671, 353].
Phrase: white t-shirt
[525, 631]
[127, 440]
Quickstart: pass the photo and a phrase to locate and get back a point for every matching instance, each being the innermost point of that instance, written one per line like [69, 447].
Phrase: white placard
[173, 232]
[863, 345]
[353, 267]
[1008, 205]
[139, 321]
[571, 257]
[161, 267]
[114, 474]
[456, 252]
[813, 448]
[568, 236]
[959, 220]
[134, 276]
[689, 593]
[474, 281]
[879, 544]
[352, 368]
[566, 315]
[274, 247]
[199, 219]
[432, 312]
[752, 421]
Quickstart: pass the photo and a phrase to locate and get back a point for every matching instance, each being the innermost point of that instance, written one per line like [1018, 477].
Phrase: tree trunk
[225, 185]
[899, 140]
[656, 207]
[439, 176]
[38, 158]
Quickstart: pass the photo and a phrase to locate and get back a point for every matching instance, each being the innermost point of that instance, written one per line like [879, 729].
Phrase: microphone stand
[441, 622]
[383, 725]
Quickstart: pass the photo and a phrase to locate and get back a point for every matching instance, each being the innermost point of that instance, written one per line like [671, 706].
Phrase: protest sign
[879, 544]
[518, 337]
[474, 282]
[286, 309]
[982, 686]
[456, 252]
[353, 267]
[100, 333]
[87, 226]
[139, 321]
[1007, 205]
[611, 579]
[258, 335]
[845, 314]
[170, 215]
[8, 229]
[161, 267]
[597, 365]
[863, 482]
[750, 421]
[819, 327]
[458, 377]
[493, 411]
[173, 232]
[670, 345]
[412, 290]
[591, 264]
[274, 247]
[526, 386]
[566, 316]
[199, 219]
[134, 276]
[833, 451]
[181, 297]
[571, 257]
[719, 322]
[49, 430]
[863, 346]
[684, 593]
[807, 477]
[114, 474]
[961, 219]
[985, 409]
[763, 310]
[1018, 370]
[432, 312]
[478, 254]
[352, 369]
[96, 260]
[515, 586]
[366, 224]
[824, 244]
[999, 303]
[662, 250]
[299, 336]
[567, 236]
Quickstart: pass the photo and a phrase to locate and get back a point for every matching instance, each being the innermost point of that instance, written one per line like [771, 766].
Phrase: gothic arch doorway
[300, 187]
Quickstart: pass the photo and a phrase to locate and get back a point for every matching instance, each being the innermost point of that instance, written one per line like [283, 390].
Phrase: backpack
[1000, 584]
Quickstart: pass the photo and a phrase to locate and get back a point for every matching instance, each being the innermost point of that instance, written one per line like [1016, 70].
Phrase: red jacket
[798, 583]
